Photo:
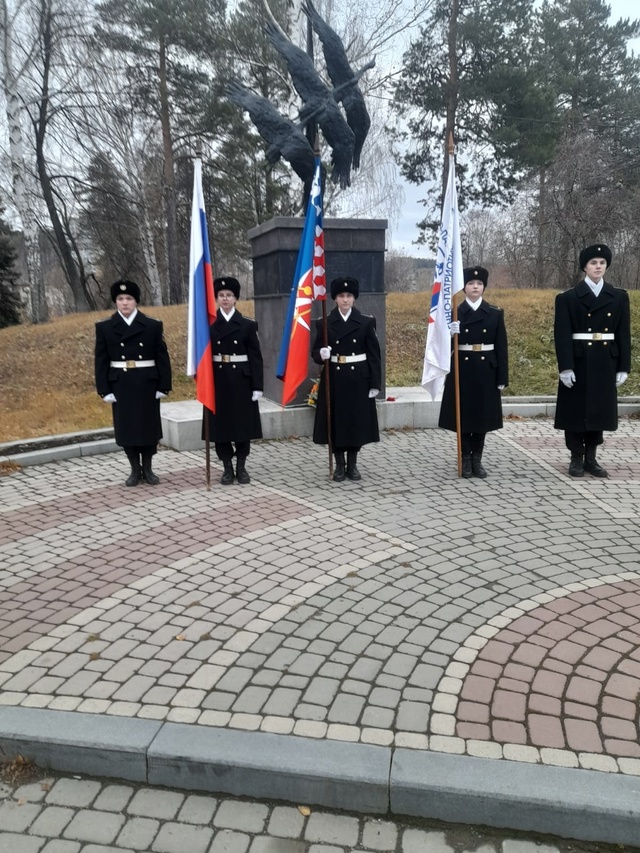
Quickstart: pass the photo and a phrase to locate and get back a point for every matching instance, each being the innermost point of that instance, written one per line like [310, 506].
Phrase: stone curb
[577, 804]
[181, 424]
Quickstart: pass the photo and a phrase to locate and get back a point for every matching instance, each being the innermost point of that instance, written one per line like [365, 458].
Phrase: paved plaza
[77, 815]
[411, 611]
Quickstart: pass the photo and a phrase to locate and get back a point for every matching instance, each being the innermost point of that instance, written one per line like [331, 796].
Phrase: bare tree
[109, 125]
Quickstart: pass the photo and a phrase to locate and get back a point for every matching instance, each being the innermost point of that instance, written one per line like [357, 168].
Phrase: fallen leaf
[45, 786]
[22, 801]
[305, 810]
[180, 637]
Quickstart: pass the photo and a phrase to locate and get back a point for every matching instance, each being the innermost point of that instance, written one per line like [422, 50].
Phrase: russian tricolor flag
[309, 283]
[202, 303]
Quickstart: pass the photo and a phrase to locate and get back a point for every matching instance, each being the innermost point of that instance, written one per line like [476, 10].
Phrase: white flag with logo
[448, 280]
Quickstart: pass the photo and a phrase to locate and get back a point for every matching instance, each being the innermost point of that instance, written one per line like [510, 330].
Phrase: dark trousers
[577, 441]
[224, 450]
[472, 442]
[345, 449]
[133, 452]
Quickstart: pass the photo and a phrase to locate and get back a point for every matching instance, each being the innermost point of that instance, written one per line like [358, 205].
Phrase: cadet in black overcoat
[238, 381]
[484, 372]
[355, 365]
[592, 334]
[133, 372]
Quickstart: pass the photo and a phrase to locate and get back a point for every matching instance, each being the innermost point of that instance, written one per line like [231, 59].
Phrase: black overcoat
[237, 418]
[480, 372]
[136, 414]
[591, 405]
[354, 420]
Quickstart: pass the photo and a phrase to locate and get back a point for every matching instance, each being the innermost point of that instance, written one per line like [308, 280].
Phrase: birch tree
[17, 60]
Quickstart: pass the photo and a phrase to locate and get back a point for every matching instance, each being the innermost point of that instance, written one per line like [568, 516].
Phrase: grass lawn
[46, 372]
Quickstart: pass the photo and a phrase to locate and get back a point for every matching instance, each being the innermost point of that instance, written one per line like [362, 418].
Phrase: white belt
[475, 347]
[126, 365]
[348, 359]
[593, 336]
[228, 358]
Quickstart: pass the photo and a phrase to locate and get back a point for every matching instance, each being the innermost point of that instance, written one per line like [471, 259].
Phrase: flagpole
[207, 448]
[456, 363]
[325, 337]
[327, 390]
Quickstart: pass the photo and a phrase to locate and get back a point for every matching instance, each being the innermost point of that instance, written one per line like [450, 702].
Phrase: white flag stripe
[448, 280]
[196, 253]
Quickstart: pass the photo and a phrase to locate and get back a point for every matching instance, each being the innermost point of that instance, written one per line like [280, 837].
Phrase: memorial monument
[352, 247]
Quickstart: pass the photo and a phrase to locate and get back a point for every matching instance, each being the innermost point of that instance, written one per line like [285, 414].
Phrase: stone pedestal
[353, 247]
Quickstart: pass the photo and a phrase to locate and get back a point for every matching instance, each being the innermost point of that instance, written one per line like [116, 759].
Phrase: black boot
[590, 463]
[241, 473]
[134, 460]
[148, 476]
[467, 471]
[227, 477]
[476, 465]
[352, 470]
[134, 477]
[576, 466]
[338, 474]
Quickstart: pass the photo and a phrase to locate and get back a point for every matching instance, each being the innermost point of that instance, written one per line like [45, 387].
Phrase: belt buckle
[129, 364]
[597, 336]
[477, 347]
[342, 359]
[226, 359]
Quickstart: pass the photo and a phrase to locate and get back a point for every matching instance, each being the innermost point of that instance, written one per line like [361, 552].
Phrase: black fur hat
[125, 288]
[345, 284]
[476, 274]
[227, 282]
[598, 250]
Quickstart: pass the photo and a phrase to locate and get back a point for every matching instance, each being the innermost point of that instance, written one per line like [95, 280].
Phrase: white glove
[160, 395]
[109, 398]
[255, 396]
[373, 392]
[567, 377]
[454, 328]
[621, 378]
[501, 387]
[325, 353]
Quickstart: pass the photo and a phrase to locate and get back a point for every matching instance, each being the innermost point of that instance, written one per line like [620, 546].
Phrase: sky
[401, 236]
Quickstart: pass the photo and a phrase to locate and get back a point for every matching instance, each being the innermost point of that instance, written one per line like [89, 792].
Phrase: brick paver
[413, 608]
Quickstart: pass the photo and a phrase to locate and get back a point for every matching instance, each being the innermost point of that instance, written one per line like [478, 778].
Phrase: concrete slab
[115, 747]
[571, 803]
[281, 767]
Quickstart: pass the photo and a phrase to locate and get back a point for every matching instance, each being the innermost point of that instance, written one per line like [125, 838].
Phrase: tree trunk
[38, 308]
[173, 258]
[61, 243]
[149, 252]
[540, 276]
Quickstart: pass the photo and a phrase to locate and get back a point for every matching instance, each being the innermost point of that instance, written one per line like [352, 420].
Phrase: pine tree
[453, 78]
[10, 304]
[171, 47]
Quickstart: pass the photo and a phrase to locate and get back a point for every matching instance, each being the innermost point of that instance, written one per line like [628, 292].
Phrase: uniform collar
[595, 288]
[129, 320]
